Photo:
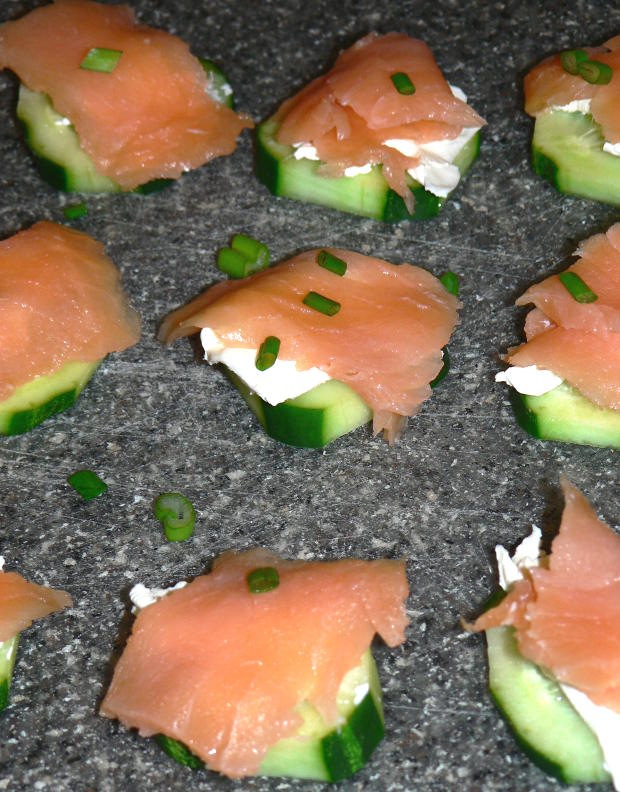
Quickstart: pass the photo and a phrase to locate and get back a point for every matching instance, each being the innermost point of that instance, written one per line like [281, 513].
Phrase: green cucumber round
[8, 653]
[544, 722]
[42, 397]
[563, 414]
[567, 150]
[319, 751]
[367, 194]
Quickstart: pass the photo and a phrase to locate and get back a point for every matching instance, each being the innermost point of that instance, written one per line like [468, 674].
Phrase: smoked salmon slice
[22, 602]
[223, 669]
[149, 118]
[61, 300]
[385, 342]
[566, 612]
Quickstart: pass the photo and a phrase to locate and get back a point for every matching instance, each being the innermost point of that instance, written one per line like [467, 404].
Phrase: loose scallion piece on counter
[595, 72]
[402, 83]
[570, 60]
[87, 484]
[267, 353]
[74, 211]
[579, 290]
[450, 281]
[177, 515]
[244, 257]
[263, 579]
[332, 263]
[321, 304]
[100, 59]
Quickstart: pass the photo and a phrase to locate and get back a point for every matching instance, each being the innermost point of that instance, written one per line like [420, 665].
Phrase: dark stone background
[462, 478]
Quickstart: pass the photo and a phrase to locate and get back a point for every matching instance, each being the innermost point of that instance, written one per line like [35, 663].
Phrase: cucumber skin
[71, 381]
[391, 210]
[567, 151]
[564, 415]
[587, 767]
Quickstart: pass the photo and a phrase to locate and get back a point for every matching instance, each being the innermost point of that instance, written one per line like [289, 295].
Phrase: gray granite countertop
[462, 478]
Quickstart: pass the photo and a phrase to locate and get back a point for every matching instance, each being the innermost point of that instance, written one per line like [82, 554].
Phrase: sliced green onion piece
[268, 353]
[321, 304]
[596, 72]
[100, 59]
[450, 281]
[176, 513]
[232, 263]
[570, 60]
[74, 211]
[251, 249]
[579, 290]
[331, 263]
[402, 83]
[87, 484]
[263, 579]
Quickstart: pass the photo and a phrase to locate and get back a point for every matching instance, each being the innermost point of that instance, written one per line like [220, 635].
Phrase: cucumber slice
[567, 150]
[8, 653]
[44, 396]
[318, 416]
[56, 146]
[564, 414]
[367, 194]
[544, 722]
[319, 751]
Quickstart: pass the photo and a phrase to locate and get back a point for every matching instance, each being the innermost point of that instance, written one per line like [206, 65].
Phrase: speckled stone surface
[462, 478]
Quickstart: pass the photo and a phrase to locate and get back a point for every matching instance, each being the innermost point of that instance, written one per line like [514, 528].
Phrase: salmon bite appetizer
[108, 104]
[553, 648]
[382, 134]
[21, 603]
[575, 98]
[566, 378]
[62, 309]
[326, 341]
[263, 666]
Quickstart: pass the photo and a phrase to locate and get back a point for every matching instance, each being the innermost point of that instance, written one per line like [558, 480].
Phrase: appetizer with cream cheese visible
[382, 134]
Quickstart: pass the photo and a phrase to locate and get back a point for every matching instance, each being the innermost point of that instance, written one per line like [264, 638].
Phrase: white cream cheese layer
[141, 596]
[583, 106]
[436, 171]
[529, 380]
[276, 384]
[604, 722]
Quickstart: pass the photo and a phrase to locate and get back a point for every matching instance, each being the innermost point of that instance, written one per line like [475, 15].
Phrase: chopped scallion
[596, 72]
[450, 281]
[87, 484]
[402, 83]
[579, 290]
[179, 752]
[332, 263]
[244, 257]
[177, 515]
[321, 304]
[263, 579]
[570, 60]
[268, 353]
[100, 59]
[74, 211]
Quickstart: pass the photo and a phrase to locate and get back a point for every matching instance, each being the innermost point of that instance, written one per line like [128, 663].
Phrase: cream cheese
[529, 380]
[141, 596]
[276, 384]
[604, 722]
